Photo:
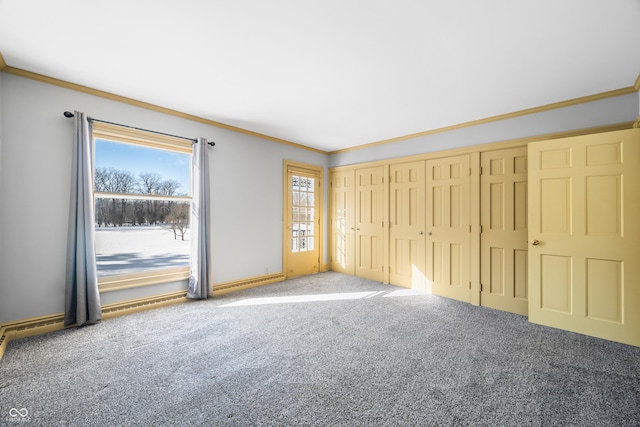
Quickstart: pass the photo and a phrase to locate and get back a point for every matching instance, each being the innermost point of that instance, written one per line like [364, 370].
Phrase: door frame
[286, 240]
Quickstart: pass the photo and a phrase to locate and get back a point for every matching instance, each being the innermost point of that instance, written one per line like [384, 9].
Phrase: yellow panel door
[407, 225]
[303, 198]
[448, 227]
[343, 222]
[503, 242]
[584, 235]
[369, 223]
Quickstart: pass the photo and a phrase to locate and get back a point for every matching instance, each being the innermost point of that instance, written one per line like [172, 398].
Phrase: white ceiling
[331, 74]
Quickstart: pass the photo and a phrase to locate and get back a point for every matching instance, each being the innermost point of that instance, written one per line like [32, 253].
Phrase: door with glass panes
[302, 228]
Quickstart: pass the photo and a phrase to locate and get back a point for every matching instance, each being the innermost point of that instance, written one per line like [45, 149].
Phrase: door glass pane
[302, 214]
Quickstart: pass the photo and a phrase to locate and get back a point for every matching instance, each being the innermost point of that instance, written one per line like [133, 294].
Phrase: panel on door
[369, 260]
[407, 251]
[343, 222]
[503, 242]
[584, 235]
[448, 227]
[303, 255]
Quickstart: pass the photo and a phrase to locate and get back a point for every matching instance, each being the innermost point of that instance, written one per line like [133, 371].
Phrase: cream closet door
[503, 247]
[448, 227]
[407, 225]
[369, 223]
[584, 234]
[343, 222]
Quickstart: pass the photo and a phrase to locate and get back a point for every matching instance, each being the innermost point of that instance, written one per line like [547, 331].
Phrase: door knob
[535, 242]
[422, 232]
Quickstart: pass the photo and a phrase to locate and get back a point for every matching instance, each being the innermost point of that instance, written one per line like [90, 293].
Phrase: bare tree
[124, 182]
[169, 187]
[150, 184]
[177, 220]
[101, 184]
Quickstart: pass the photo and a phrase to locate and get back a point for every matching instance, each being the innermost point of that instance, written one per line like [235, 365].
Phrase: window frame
[121, 134]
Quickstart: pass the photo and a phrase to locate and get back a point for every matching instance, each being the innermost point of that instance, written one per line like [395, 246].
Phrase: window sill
[127, 281]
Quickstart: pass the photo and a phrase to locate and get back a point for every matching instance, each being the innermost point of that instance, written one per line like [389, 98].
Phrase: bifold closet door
[584, 234]
[448, 231]
[503, 242]
[407, 225]
[369, 217]
[343, 222]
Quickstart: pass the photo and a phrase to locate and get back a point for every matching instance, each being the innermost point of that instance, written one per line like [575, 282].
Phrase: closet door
[343, 222]
[584, 235]
[448, 227]
[503, 244]
[369, 223]
[407, 225]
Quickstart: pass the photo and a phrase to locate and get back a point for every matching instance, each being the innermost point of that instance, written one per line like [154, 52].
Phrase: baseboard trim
[251, 282]
[109, 311]
[55, 322]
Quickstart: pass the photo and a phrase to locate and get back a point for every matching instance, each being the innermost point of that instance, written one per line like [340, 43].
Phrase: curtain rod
[69, 114]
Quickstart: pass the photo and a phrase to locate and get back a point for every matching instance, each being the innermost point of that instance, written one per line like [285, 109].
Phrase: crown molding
[107, 95]
[534, 110]
[488, 146]
[85, 89]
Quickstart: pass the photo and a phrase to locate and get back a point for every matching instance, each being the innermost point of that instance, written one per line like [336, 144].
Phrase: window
[303, 213]
[142, 197]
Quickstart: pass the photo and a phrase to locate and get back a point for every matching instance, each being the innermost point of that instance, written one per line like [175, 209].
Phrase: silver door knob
[535, 242]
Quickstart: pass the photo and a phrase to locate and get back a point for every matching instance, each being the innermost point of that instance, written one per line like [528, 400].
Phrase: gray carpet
[342, 351]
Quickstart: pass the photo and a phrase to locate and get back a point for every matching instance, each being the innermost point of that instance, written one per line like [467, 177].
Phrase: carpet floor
[321, 350]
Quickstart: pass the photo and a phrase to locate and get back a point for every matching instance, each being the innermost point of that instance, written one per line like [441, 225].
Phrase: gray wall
[246, 184]
[598, 113]
[246, 194]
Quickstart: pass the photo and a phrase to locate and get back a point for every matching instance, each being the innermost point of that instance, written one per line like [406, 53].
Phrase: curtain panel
[200, 270]
[82, 299]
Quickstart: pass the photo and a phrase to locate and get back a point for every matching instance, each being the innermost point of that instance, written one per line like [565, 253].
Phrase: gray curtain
[82, 299]
[200, 275]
